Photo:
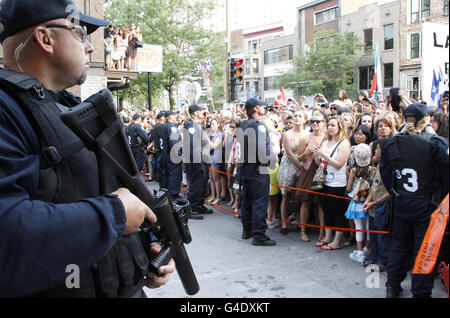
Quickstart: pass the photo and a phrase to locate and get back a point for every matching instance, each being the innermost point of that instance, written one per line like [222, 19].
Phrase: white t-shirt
[335, 178]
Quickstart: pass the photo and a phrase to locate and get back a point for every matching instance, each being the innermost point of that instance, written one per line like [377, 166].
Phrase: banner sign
[435, 49]
[149, 59]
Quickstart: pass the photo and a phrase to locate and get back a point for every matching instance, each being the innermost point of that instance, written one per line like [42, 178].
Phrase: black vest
[412, 164]
[249, 150]
[69, 172]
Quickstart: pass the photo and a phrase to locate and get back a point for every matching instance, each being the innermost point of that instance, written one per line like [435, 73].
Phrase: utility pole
[227, 84]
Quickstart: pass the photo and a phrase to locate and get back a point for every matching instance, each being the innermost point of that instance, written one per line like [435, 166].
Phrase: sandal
[321, 243]
[304, 237]
[328, 247]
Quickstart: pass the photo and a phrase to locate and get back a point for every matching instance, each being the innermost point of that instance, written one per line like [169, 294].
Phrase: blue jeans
[380, 242]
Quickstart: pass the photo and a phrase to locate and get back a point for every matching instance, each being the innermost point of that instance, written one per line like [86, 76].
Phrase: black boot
[393, 292]
[246, 234]
[263, 240]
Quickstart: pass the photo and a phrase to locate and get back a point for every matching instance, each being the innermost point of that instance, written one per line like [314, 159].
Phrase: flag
[435, 88]
[281, 98]
[198, 68]
[377, 87]
[208, 65]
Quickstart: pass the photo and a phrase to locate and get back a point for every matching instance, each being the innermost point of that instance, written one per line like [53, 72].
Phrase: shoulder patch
[191, 130]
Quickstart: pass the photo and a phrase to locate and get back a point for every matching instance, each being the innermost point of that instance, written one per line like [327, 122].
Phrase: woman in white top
[336, 181]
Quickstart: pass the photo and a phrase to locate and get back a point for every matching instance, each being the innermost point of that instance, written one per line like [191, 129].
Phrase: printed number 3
[412, 185]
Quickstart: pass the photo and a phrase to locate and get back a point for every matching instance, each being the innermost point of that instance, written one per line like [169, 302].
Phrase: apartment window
[248, 66]
[388, 74]
[281, 54]
[247, 88]
[420, 9]
[446, 8]
[327, 15]
[368, 39]
[271, 83]
[255, 66]
[366, 77]
[256, 86]
[415, 45]
[414, 87]
[389, 37]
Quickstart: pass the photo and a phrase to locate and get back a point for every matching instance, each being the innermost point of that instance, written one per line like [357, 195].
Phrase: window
[368, 39]
[415, 45]
[247, 66]
[255, 66]
[281, 54]
[388, 75]
[414, 87]
[327, 15]
[256, 86]
[425, 9]
[446, 8]
[271, 83]
[389, 37]
[420, 9]
[365, 77]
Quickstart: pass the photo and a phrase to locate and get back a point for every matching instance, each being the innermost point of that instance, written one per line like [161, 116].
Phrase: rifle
[98, 125]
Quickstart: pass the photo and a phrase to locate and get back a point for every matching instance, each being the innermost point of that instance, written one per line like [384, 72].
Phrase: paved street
[229, 267]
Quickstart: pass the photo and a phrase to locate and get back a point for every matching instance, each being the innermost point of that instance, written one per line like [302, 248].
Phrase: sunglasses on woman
[315, 121]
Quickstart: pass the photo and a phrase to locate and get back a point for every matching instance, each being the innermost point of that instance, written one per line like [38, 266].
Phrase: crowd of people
[345, 134]
[121, 44]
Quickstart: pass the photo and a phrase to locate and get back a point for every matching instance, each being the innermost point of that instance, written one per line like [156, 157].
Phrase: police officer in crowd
[52, 214]
[155, 138]
[171, 160]
[195, 155]
[138, 140]
[413, 166]
[255, 156]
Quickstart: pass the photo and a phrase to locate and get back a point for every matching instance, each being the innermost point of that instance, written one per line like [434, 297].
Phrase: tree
[327, 66]
[177, 26]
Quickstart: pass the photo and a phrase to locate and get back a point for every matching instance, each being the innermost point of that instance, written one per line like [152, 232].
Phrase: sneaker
[262, 240]
[357, 257]
[270, 224]
[291, 218]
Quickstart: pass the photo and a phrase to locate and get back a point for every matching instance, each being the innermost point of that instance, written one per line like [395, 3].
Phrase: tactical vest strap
[53, 155]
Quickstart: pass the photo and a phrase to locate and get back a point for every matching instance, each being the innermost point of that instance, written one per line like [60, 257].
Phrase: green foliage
[177, 26]
[326, 67]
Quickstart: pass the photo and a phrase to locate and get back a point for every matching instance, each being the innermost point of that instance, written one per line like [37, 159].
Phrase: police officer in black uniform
[195, 156]
[155, 137]
[171, 155]
[413, 166]
[255, 157]
[52, 214]
[138, 140]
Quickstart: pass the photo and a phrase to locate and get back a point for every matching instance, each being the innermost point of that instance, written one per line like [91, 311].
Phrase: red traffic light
[239, 62]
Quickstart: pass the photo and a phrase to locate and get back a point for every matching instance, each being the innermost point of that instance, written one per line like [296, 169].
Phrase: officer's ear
[43, 39]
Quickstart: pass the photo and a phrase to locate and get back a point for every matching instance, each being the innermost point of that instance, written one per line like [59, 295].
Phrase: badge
[262, 128]
[192, 130]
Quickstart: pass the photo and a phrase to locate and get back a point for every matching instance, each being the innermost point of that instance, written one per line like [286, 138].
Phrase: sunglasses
[315, 121]
[80, 31]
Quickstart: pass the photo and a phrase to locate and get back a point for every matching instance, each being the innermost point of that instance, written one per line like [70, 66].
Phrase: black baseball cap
[17, 15]
[194, 108]
[252, 103]
[137, 116]
[160, 114]
[417, 110]
[169, 112]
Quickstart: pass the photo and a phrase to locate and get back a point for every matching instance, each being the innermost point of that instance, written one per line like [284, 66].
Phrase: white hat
[337, 103]
[362, 155]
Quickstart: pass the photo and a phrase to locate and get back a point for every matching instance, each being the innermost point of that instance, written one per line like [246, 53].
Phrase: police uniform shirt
[415, 164]
[251, 143]
[39, 239]
[134, 131]
[197, 141]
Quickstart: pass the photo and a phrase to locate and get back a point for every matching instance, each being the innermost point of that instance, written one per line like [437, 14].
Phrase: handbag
[321, 173]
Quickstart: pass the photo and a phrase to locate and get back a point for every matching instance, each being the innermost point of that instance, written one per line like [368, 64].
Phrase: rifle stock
[98, 125]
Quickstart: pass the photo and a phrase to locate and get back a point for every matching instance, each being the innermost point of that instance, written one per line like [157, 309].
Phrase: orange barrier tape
[429, 250]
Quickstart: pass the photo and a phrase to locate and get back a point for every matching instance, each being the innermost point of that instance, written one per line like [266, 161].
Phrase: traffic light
[236, 75]
[236, 70]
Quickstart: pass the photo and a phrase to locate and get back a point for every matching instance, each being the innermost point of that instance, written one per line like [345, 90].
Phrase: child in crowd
[358, 185]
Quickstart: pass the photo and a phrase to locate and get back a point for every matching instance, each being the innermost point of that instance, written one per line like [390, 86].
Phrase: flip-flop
[328, 247]
[321, 243]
